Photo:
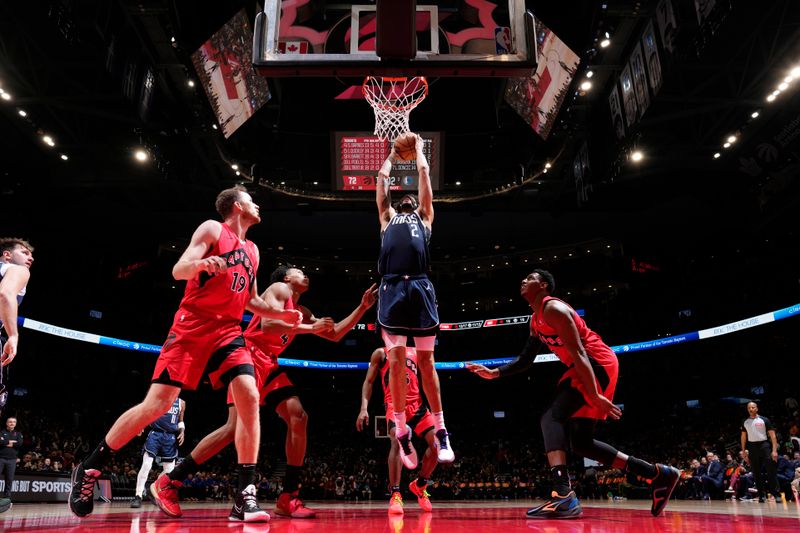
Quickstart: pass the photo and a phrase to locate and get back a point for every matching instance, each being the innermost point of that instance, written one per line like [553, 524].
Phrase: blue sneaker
[558, 507]
[663, 484]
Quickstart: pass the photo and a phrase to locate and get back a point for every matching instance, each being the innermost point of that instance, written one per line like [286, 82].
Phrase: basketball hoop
[392, 100]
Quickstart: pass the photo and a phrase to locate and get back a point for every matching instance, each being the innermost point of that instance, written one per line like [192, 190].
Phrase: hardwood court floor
[467, 516]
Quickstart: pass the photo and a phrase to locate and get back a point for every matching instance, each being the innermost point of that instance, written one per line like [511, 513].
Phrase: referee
[756, 448]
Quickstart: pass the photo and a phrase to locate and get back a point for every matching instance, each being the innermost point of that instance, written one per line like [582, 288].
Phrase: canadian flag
[293, 47]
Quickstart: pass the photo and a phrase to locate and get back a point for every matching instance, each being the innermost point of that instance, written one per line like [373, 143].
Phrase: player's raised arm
[383, 196]
[425, 188]
[341, 328]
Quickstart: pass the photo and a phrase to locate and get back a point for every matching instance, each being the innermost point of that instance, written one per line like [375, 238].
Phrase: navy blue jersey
[168, 422]
[404, 246]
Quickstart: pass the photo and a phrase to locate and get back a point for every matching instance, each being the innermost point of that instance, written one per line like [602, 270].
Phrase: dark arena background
[645, 153]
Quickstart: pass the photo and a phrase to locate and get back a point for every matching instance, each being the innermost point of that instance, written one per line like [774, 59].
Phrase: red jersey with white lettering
[271, 344]
[412, 380]
[595, 348]
[224, 295]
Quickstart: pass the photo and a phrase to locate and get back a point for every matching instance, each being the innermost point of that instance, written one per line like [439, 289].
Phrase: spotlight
[140, 156]
[22, 112]
[172, 39]
[190, 83]
[589, 73]
[637, 156]
[5, 96]
[585, 86]
[64, 157]
[235, 166]
[754, 114]
[48, 140]
[731, 139]
[770, 98]
[783, 86]
[726, 145]
[716, 155]
[795, 72]
[458, 183]
[547, 165]
[605, 43]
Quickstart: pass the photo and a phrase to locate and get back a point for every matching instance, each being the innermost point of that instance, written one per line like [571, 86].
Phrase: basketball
[405, 147]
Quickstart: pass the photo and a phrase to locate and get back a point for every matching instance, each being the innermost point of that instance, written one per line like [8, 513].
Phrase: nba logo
[502, 40]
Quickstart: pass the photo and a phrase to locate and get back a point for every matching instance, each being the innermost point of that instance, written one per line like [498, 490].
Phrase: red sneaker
[422, 496]
[396, 503]
[165, 494]
[289, 504]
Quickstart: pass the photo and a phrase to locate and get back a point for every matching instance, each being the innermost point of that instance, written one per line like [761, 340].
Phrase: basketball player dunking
[220, 267]
[583, 396]
[407, 301]
[419, 419]
[266, 340]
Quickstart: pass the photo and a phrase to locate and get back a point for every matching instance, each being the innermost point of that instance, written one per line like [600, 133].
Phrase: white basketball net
[392, 100]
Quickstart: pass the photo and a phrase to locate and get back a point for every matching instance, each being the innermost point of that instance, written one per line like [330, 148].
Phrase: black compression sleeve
[524, 360]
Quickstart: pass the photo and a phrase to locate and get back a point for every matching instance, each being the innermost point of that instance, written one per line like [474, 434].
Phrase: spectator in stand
[785, 475]
[712, 480]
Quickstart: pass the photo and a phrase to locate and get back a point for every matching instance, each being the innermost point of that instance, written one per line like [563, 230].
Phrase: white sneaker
[445, 452]
[408, 454]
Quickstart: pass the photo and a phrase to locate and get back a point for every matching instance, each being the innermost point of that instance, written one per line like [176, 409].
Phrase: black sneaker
[246, 509]
[81, 496]
[558, 507]
[136, 502]
[5, 504]
[663, 484]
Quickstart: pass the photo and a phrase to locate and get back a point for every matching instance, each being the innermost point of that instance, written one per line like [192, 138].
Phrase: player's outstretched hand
[180, 437]
[482, 371]
[362, 422]
[323, 325]
[370, 296]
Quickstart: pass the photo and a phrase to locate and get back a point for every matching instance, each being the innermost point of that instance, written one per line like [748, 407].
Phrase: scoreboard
[358, 156]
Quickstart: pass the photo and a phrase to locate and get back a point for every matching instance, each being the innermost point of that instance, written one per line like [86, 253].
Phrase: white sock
[168, 467]
[144, 471]
[400, 422]
[438, 420]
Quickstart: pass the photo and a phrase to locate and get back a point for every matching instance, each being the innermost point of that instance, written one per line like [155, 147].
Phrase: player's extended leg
[395, 466]
[432, 388]
[164, 490]
[289, 502]
[159, 398]
[429, 462]
[247, 439]
[396, 355]
[141, 479]
[664, 478]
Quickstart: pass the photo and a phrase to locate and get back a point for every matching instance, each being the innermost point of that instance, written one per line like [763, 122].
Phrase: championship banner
[639, 80]
[651, 58]
[667, 25]
[539, 98]
[616, 113]
[628, 96]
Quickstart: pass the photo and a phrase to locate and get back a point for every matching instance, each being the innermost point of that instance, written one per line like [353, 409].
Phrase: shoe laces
[443, 444]
[87, 485]
[396, 498]
[405, 443]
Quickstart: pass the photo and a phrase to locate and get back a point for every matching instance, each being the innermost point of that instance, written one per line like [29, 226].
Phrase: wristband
[182, 426]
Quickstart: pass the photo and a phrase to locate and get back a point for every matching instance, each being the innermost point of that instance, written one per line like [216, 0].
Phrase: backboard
[453, 38]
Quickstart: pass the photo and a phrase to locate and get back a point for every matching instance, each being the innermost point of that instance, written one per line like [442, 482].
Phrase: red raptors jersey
[595, 347]
[412, 381]
[224, 295]
[272, 344]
